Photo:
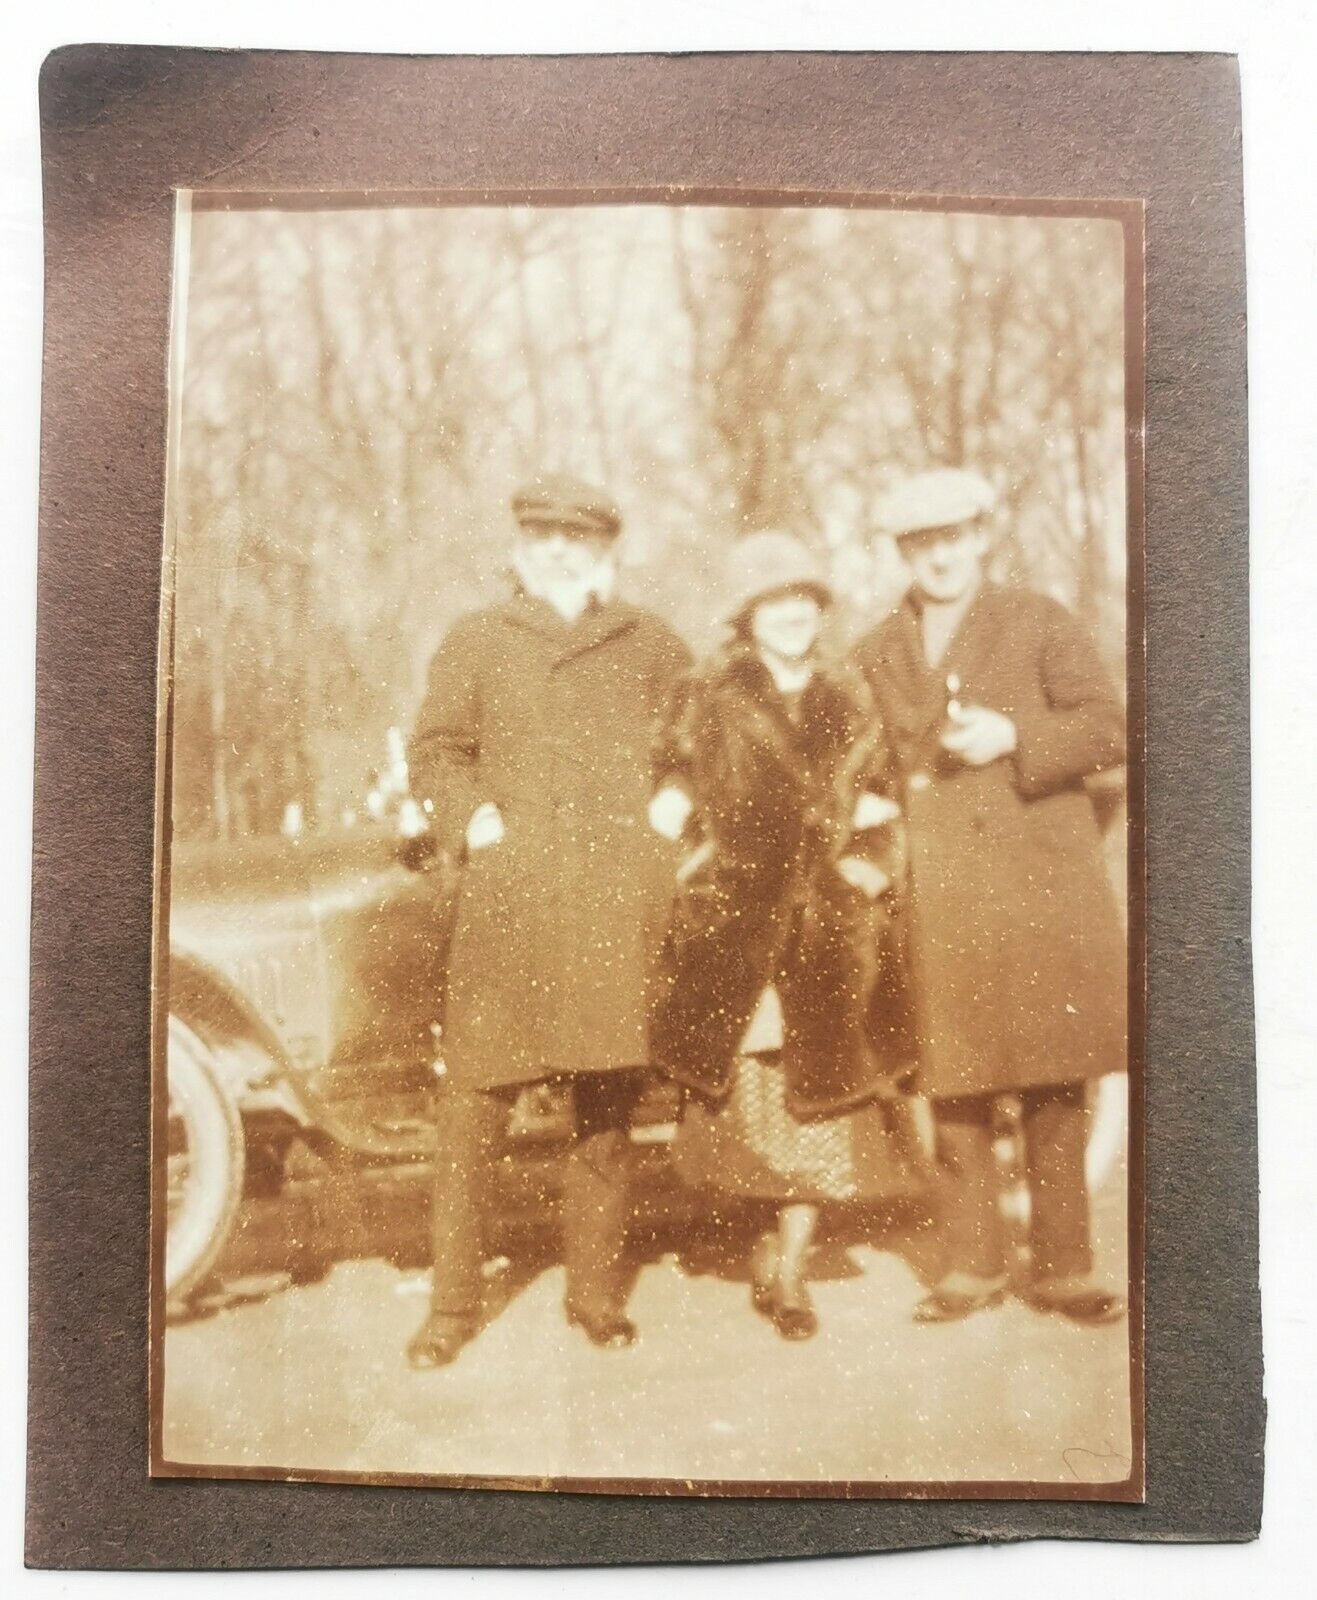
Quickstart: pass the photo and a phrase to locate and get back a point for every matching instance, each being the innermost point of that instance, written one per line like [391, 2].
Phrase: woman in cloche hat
[778, 773]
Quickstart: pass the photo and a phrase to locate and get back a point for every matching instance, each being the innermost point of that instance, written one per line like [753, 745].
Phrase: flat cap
[556, 500]
[938, 499]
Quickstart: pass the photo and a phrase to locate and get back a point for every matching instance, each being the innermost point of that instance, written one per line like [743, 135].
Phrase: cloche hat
[761, 564]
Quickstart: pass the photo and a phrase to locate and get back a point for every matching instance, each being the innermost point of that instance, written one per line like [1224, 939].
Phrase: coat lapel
[764, 713]
[536, 616]
[918, 690]
[921, 689]
[594, 627]
[798, 745]
[974, 640]
[754, 723]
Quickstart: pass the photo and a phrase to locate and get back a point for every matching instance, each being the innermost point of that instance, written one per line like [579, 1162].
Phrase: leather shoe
[438, 1343]
[610, 1330]
[954, 1305]
[1084, 1303]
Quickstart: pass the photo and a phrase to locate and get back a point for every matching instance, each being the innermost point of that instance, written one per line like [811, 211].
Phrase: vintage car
[302, 981]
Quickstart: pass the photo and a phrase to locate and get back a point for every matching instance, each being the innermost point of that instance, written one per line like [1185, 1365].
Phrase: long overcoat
[774, 800]
[1015, 949]
[557, 928]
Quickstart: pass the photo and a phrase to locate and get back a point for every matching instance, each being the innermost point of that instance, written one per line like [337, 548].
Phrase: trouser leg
[596, 1197]
[969, 1215]
[469, 1126]
[1055, 1134]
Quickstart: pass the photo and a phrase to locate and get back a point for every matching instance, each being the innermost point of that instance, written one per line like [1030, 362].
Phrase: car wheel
[206, 1159]
[1108, 1142]
[1108, 1138]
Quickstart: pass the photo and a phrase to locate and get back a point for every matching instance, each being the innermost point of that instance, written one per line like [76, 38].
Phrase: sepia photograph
[648, 945]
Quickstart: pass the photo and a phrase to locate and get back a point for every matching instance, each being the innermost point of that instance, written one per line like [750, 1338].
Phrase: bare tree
[364, 386]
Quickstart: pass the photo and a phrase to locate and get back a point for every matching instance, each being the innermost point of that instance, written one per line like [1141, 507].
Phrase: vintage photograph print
[649, 879]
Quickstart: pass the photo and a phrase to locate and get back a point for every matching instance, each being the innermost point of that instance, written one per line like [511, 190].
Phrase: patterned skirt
[751, 1146]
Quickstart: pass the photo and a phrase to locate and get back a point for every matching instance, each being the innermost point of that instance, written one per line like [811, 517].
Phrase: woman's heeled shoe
[438, 1343]
[794, 1315]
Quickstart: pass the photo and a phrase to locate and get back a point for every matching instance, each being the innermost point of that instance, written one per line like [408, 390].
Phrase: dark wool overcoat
[775, 795]
[556, 929]
[1015, 948]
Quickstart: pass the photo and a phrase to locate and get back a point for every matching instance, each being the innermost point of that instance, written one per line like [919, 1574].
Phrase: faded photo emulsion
[648, 961]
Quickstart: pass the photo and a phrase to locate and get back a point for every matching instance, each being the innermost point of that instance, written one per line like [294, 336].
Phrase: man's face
[946, 563]
[556, 555]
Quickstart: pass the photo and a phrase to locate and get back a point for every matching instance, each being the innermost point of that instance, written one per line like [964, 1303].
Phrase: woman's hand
[873, 811]
[669, 812]
[864, 876]
[694, 861]
[485, 827]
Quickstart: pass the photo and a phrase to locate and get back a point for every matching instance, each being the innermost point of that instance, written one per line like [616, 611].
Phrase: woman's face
[787, 624]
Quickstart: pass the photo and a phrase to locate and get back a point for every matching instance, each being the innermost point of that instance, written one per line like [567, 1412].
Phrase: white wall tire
[1107, 1148]
[1108, 1129]
[1108, 1143]
[206, 1160]
[922, 1122]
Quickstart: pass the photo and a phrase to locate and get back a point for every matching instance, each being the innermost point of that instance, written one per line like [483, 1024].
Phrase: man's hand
[412, 820]
[669, 811]
[416, 841]
[863, 875]
[485, 827]
[978, 736]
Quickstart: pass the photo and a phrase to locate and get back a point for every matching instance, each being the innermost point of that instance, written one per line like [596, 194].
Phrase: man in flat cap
[533, 748]
[1000, 710]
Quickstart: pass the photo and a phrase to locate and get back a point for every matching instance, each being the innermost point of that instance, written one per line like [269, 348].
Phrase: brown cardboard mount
[123, 128]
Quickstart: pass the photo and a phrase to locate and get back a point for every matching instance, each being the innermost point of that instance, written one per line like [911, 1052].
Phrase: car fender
[250, 1057]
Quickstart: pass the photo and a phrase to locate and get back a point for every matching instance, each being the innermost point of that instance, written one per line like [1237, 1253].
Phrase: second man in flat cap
[1000, 710]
